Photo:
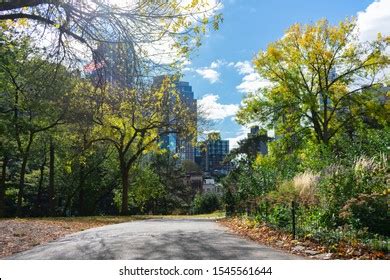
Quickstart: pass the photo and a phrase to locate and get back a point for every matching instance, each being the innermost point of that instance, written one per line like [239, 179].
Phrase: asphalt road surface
[166, 239]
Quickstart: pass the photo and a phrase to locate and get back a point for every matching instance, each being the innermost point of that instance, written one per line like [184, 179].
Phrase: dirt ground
[304, 247]
[18, 235]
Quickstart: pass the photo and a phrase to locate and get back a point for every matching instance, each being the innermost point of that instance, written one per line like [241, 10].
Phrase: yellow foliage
[314, 70]
[274, 52]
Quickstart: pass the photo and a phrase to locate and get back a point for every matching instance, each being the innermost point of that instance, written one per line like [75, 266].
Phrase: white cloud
[186, 62]
[217, 63]
[221, 62]
[206, 132]
[209, 74]
[375, 19]
[242, 134]
[214, 64]
[214, 110]
[251, 81]
[244, 67]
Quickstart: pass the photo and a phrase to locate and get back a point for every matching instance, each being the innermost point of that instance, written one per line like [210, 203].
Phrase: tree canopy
[322, 79]
[70, 141]
[159, 31]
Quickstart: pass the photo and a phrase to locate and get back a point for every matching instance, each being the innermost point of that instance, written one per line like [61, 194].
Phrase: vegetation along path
[155, 239]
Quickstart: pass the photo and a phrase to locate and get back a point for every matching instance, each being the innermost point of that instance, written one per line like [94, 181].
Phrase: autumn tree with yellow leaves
[134, 120]
[322, 79]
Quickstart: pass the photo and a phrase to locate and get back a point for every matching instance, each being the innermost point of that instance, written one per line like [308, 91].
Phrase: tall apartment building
[217, 150]
[113, 64]
[211, 154]
[181, 144]
[186, 148]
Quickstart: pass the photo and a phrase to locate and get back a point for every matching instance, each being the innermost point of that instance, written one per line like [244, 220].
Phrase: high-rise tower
[181, 144]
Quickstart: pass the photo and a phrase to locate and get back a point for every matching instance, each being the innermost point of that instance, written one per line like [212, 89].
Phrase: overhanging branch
[18, 4]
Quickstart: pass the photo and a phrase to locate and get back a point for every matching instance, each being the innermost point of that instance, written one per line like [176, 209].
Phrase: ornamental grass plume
[305, 185]
[364, 165]
[372, 174]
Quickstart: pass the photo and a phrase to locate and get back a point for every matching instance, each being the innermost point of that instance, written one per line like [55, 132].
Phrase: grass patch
[121, 219]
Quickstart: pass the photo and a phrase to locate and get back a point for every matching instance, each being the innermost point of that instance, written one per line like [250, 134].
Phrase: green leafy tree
[205, 203]
[172, 173]
[249, 147]
[34, 97]
[147, 190]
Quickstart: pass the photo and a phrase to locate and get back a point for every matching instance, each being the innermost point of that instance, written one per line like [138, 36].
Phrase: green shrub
[335, 188]
[310, 220]
[339, 184]
[229, 202]
[276, 210]
[369, 211]
[367, 142]
[315, 156]
[280, 216]
[339, 187]
[205, 203]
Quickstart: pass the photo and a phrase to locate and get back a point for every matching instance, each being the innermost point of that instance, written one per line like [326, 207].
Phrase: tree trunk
[51, 189]
[25, 154]
[3, 186]
[21, 186]
[81, 200]
[38, 204]
[125, 190]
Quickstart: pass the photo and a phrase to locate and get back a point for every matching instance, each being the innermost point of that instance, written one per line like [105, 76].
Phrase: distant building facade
[210, 155]
[181, 144]
[210, 186]
[260, 145]
[186, 147]
[217, 150]
[113, 64]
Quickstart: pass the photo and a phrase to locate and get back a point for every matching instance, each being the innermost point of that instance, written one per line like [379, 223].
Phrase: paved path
[154, 239]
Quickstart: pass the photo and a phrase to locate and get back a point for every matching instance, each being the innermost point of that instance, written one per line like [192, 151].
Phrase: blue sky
[220, 71]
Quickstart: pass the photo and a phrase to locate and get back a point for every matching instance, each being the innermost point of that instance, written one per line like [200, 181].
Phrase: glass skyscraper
[211, 154]
[181, 145]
